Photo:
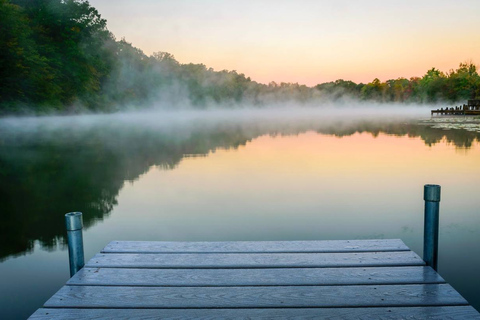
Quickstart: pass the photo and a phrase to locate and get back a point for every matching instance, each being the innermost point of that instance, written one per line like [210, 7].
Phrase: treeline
[58, 55]
[435, 86]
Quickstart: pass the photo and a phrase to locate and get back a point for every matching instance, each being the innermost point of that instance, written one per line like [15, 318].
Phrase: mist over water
[164, 120]
[93, 155]
[125, 132]
[191, 174]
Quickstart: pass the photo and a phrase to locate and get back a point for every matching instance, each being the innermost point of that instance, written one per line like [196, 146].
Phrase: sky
[304, 41]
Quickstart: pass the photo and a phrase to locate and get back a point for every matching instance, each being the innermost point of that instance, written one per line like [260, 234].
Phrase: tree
[374, 90]
[60, 51]
[463, 83]
[432, 86]
[24, 73]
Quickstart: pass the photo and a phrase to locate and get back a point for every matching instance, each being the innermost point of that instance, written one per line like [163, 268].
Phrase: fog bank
[167, 119]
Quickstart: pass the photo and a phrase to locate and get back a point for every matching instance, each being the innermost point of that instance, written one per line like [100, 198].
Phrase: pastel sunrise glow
[308, 42]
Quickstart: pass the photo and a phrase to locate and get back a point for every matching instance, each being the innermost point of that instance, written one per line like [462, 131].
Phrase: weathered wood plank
[255, 297]
[399, 313]
[252, 277]
[255, 246]
[255, 260]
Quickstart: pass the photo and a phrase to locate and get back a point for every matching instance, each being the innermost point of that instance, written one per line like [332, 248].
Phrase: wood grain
[252, 277]
[255, 246]
[255, 260]
[398, 313]
[255, 297]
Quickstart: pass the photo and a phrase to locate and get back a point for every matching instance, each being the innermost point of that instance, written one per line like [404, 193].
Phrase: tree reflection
[46, 173]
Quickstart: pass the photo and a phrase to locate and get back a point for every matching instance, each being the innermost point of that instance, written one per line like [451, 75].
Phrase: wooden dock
[357, 279]
[472, 108]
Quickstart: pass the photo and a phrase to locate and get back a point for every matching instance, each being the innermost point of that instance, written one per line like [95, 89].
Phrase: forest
[59, 56]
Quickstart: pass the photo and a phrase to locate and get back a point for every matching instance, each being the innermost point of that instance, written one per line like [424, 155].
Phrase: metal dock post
[74, 224]
[431, 195]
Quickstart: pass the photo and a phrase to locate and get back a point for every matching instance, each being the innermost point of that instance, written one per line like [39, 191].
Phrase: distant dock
[357, 279]
[470, 109]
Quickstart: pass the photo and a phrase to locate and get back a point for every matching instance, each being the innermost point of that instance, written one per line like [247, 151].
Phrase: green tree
[463, 83]
[374, 90]
[432, 86]
[24, 73]
[397, 90]
[65, 47]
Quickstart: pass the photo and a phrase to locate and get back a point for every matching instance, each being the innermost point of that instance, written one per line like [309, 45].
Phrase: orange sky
[304, 41]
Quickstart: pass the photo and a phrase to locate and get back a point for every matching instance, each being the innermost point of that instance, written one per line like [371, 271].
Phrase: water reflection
[52, 166]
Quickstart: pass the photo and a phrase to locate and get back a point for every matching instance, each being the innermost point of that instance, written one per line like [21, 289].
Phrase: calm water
[238, 175]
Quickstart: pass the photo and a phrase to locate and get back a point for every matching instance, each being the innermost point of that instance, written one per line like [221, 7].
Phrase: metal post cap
[74, 221]
[431, 192]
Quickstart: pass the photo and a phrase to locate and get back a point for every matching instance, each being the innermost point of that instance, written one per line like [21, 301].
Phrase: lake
[274, 174]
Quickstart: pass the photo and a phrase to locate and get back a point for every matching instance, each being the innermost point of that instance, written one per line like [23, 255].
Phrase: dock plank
[256, 246]
[255, 260]
[358, 279]
[397, 313]
[256, 297]
[254, 277]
